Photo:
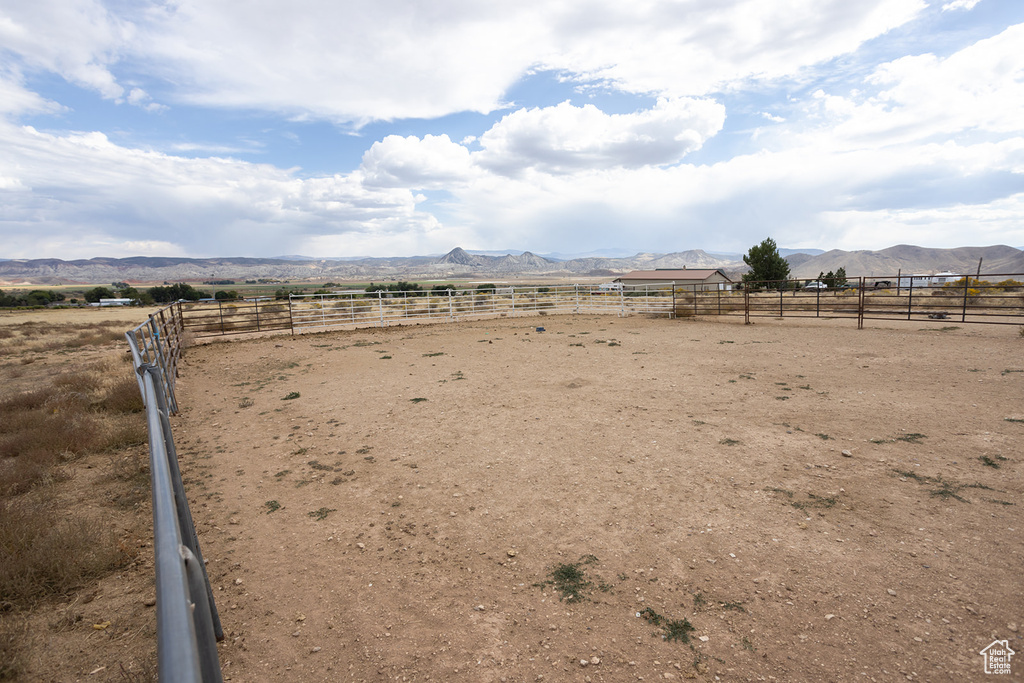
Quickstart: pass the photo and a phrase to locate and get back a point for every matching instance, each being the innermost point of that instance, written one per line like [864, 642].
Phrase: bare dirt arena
[404, 504]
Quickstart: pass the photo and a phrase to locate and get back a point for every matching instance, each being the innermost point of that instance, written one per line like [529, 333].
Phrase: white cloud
[924, 140]
[404, 58]
[16, 99]
[979, 88]
[695, 48]
[140, 98]
[77, 39]
[59, 183]
[567, 139]
[960, 4]
[434, 162]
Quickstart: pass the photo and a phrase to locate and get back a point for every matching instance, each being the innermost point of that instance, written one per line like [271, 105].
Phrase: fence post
[860, 304]
[910, 297]
[967, 285]
[782, 292]
[746, 305]
[291, 320]
[380, 304]
[450, 313]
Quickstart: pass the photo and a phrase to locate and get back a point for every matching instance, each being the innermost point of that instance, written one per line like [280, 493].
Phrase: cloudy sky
[398, 127]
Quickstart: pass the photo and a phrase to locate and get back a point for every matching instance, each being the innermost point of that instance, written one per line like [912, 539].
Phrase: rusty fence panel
[994, 298]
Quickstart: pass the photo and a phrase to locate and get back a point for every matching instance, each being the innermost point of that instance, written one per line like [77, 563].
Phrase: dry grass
[12, 655]
[95, 408]
[43, 552]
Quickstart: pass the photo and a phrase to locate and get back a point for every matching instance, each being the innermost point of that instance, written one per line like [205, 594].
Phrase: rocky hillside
[460, 263]
[910, 259]
[456, 263]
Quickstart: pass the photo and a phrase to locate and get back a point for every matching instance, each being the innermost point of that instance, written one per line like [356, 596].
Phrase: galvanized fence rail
[380, 308]
[993, 298]
[188, 625]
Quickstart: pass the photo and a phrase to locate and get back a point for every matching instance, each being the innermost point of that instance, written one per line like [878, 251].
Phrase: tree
[94, 295]
[180, 290]
[840, 277]
[766, 265]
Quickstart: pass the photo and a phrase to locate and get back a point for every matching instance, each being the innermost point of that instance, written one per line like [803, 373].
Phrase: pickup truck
[816, 285]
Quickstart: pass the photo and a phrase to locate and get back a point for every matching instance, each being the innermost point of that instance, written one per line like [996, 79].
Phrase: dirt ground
[404, 504]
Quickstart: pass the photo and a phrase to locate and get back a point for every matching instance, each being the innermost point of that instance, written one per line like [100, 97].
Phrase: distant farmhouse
[701, 279]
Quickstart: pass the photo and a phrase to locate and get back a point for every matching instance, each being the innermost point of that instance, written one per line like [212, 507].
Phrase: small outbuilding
[702, 279]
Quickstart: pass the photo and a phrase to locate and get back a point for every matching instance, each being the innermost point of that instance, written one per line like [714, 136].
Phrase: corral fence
[188, 625]
[991, 298]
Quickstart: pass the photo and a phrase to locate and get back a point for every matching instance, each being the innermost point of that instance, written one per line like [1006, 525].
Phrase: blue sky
[336, 129]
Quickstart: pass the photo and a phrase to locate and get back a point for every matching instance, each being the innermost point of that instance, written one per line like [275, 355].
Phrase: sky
[333, 128]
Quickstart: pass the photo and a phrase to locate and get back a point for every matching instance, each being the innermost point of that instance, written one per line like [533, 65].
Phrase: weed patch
[913, 437]
[810, 502]
[944, 488]
[291, 396]
[272, 506]
[320, 514]
[570, 579]
[671, 629]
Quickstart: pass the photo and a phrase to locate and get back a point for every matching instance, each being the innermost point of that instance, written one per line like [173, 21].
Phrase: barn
[700, 279]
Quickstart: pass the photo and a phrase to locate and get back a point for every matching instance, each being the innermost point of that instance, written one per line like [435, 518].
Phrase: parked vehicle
[816, 285]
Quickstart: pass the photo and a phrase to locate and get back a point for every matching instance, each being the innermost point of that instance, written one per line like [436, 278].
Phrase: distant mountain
[910, 259]
[597, 253]
[460, 257]
[459, 263]
[789, 252]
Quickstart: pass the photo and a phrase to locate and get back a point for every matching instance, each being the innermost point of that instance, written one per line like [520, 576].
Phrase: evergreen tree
[766, 265]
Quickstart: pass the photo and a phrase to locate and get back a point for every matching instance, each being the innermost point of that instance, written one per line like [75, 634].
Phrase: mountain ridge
[460, 263]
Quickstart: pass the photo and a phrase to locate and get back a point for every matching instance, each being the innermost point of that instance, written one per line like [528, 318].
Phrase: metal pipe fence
[188, 625]
[989, 299]
[994, 298]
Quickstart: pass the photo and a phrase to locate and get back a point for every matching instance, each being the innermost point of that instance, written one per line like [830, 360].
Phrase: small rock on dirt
[847, 454]
[891, 592]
